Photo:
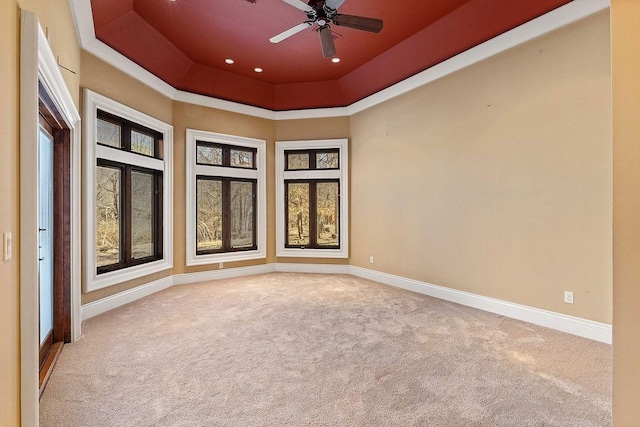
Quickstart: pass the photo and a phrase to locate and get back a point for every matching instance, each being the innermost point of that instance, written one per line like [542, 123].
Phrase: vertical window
[312, 198]
[108, 207]
[312, 211]
[226, 198]
[128, 194]
[225, 214]
[242, 200]
[209, 215]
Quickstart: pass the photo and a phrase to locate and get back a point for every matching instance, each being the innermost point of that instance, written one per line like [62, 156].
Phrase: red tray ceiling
[186, 42]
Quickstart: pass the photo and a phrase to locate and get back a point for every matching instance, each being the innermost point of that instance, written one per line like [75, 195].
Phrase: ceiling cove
[207, 51]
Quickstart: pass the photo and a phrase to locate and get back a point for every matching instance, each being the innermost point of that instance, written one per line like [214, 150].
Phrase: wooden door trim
[62, 235]
[47, 366]
[61, 328]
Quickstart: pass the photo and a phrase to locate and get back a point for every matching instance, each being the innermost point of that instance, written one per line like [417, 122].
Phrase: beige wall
[309, 129]
[9, 278]
[625, 33]
[187, 116]
[306, 129]
[57, 21]
[496, 180]
[55, 17]
[106, 80]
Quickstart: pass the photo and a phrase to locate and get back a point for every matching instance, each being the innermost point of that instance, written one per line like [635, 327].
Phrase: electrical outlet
[221, 265]
[568, 297]
[371, 259]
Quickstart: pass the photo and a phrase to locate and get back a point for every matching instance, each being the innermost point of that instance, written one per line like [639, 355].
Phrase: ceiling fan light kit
[322, 13]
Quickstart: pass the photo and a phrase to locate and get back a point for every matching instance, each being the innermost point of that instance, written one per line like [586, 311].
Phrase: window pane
[108, 133]
[298, 161]
[209, 214]
[326, 160]
[107, 215]
[142, 143]
[327, 210]
[208, 155]
[298, 210]
[242, 214]
[142, 224]
[241, 158]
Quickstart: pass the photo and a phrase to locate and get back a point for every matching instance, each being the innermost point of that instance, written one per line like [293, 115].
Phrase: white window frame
[342, 174]
[92, 152]
[259, 174]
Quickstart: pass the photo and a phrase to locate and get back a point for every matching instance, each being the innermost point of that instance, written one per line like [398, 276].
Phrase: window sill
[120, 276]
[225, 257]
[313, 253]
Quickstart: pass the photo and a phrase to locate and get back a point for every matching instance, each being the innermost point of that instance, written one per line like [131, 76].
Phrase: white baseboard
[561, 322]
[103, 305]
[573, 325]
[114, 301]
[313, 268]
[223, 273]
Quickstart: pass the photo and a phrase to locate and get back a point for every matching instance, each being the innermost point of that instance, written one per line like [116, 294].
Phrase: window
[226, 198]
[312, 213]
[128, 194]
[312, 199]
[225, 205]
[312, 159]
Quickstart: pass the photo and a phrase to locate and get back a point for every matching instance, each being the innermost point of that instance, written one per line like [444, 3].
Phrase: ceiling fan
[322, 13]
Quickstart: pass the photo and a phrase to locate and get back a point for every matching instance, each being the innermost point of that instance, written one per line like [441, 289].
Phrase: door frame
[38, 66]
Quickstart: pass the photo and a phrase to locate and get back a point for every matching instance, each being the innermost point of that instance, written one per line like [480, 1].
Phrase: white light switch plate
[7, 246]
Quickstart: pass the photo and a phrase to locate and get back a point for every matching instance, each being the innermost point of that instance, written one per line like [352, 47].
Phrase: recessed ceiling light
[229, 61]
[257, 70]
[335, 60]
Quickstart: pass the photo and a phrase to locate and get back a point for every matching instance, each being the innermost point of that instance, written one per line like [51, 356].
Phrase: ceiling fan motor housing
[322, 13]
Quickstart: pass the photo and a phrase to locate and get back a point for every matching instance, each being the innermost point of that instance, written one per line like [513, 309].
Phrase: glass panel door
[45, 228]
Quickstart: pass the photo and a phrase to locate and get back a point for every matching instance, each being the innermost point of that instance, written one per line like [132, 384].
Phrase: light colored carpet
[317, 350]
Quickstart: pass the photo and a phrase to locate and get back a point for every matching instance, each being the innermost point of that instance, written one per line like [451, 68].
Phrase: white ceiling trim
[221, 104]
[558, 18]
[83, 19]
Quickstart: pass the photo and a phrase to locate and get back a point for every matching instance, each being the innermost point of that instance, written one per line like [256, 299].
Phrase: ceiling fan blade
[358, 22]
[333, 4]
[301, 5]
[326, 40]
[290, 32]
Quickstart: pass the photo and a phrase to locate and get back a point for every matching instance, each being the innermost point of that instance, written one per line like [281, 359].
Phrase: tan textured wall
[55, 17]
[9, 221]
[305, 129]
[308, 129]
[496, 180]
[188, 116]
[57, 21]
[625, 33]
[106, 80]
